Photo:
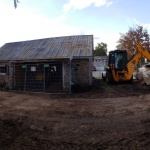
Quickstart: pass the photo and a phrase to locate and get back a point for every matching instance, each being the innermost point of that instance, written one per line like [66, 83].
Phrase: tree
[129, 40]
[15, 3]
[100, 49]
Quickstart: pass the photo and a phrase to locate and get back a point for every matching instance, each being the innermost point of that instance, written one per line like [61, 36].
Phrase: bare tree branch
[15, 3]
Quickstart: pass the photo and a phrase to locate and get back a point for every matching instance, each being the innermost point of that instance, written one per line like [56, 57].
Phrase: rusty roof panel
[57, 47]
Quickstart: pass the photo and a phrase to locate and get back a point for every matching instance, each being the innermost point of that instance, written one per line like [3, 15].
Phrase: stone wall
[81, 72]
[66, 76]
[3, 77]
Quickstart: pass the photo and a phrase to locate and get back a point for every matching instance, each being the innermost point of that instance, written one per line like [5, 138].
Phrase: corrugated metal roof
[57, 47]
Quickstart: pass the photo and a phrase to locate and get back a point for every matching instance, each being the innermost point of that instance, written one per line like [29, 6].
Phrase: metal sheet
[57, 47]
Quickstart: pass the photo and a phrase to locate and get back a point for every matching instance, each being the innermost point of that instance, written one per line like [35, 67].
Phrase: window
[3, 70]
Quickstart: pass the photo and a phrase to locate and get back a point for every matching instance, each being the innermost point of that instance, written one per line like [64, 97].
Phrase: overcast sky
[105, 19]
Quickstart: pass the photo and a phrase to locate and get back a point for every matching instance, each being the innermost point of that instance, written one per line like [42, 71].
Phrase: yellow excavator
[119, 68]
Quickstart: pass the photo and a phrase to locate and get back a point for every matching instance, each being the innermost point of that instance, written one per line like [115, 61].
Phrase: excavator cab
[117, 60]
[117, 66]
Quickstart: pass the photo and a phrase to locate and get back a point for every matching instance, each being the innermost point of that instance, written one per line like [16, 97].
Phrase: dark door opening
[53, 77]
[34, 78]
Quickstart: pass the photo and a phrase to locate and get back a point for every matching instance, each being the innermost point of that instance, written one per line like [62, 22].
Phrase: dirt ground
[107, 117]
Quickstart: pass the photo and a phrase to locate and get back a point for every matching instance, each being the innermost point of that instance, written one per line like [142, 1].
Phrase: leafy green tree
[129, 40]
[100, 49]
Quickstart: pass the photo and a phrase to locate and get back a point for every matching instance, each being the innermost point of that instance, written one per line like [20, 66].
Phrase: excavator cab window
[118, 58]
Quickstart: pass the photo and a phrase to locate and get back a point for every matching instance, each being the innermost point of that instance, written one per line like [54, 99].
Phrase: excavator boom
[132, 64]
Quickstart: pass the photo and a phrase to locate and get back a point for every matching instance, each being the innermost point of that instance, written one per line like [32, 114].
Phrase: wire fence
[42, 77]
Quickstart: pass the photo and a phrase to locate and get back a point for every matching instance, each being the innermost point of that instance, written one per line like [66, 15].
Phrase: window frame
[3, 67]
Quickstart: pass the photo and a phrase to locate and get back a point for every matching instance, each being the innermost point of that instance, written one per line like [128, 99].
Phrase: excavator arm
[134, 61]
[144, 51]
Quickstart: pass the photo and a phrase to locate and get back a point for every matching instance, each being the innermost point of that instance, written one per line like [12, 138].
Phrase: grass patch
[98, 77]
[107, 87]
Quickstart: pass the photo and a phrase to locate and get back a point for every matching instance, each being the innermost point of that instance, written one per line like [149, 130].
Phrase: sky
[104, 19]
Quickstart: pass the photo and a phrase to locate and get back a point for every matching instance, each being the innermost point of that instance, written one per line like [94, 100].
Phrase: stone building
[51, 65]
